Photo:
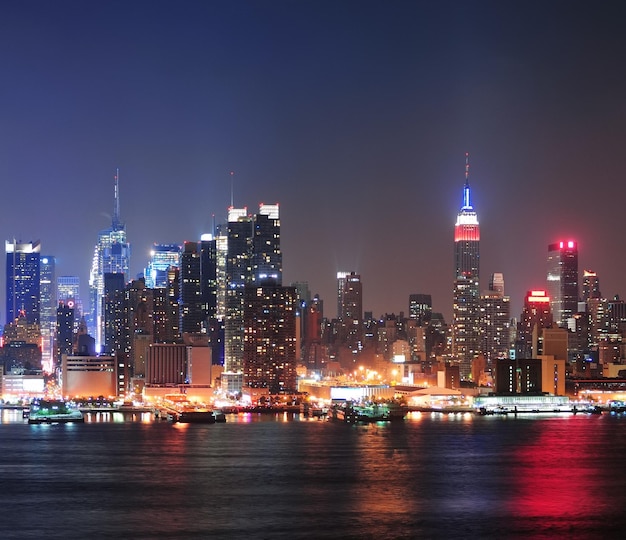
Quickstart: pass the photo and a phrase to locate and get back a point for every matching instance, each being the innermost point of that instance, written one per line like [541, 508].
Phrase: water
[432, 476]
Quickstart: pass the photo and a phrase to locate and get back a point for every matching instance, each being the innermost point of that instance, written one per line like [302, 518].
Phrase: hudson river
[431, 476]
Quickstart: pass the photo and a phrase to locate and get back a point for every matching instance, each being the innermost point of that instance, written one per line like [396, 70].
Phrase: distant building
[536, 316]
[269, 338]
[191, 313]
[466, 293]
[23, 281]
[111, 256]
[48, 304]
[495, 320]
[530, 376]
[420, 308]
[64, 332]
[562, 280]
[162, 258]
[591, 285]
[89, 376]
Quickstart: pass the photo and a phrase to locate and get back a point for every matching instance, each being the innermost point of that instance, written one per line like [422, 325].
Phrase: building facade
[562, 280]
[111, 256]
[23, 281]
[466, 340]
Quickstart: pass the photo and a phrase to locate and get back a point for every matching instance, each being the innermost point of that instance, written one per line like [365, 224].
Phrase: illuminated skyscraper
[591, 285]
[23, 281]
[562, 281]
[111, 256]
[466, 295]
[253, 258]
[162, 257]
[420, 308]
[237, 276]
[495, 320]
[191, 312]
[341, 286]
[536, 316]
[267, 259]
[47, 298]
[269, 350]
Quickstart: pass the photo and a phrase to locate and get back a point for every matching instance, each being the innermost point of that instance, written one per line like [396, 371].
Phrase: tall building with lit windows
[253, 259]
[270, 337]
[111, 256]
[562, 280]
[267, 258]
[48, 300]
[162, 257]
[536, 316]
[23, 281]
[237, 277]
[466, 342]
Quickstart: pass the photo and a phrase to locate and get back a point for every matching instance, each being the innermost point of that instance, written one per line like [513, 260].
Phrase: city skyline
[355, 121]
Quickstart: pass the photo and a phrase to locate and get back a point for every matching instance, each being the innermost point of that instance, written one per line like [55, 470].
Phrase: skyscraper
[253, 259]
[48, 300]
[267, 259]
[237, 276]
[466, 295]
[23, 281]
[420, 308]
[270, 337]
[535, 316]
[191, 312]
[111, 256]
[562, 280]
[162, 256]
[495, 320]
[591, 285]
[341, 286]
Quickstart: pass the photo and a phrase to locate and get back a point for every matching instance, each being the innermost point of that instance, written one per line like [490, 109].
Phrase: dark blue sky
[354, 115]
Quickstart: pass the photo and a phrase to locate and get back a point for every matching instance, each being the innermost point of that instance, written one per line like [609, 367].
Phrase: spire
[116, 207]
[232, 198]
[467, 204]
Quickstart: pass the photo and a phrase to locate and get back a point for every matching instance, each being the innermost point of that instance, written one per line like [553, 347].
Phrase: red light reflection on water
[554, 474]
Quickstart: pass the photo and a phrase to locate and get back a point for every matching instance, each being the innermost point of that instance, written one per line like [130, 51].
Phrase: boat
[54, 411]
[196, 417]
[352, 414]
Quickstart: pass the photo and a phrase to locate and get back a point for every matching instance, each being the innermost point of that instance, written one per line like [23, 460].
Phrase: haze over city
[354, 116]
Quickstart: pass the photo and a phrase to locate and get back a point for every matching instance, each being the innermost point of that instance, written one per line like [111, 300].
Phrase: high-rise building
[466, 295]
[68, 288]
[111, 256]
[237, 276]
[64, 332]
[562, 280]
[495, 320]
[162, 257]
[420, 308]
[270, 338]
[48, 300]
[267, 259]
[591, 285]
[192, 315]
[341, 287]
[536, 316]
[23, 281]
[68, 292]
[253, 257]
[114, 314]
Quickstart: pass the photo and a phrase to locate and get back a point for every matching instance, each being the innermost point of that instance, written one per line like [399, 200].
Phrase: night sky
[355, 116]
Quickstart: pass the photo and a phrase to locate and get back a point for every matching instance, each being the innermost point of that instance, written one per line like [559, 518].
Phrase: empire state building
[466, 308]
